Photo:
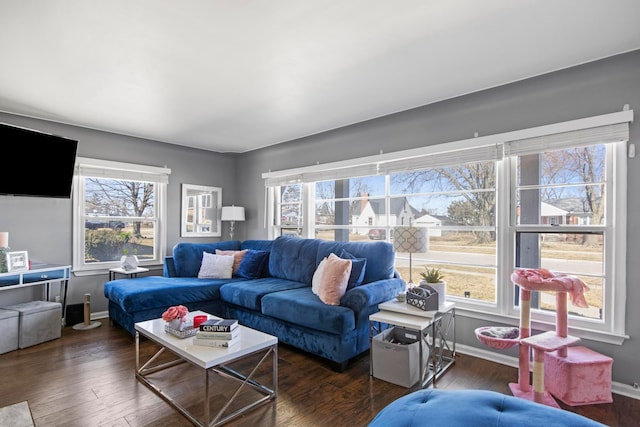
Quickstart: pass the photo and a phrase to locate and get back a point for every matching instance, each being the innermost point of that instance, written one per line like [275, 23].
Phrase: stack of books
[218, 333]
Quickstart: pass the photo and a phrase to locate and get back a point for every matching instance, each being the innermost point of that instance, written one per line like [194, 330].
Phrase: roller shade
[436, 160]
[115, 170]
[578, 138]
[323, 175]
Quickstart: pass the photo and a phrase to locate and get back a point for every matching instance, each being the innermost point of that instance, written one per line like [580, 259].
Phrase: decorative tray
[187, 332]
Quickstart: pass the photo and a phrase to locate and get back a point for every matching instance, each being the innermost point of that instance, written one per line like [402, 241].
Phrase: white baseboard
[99, 315]
[617, 388]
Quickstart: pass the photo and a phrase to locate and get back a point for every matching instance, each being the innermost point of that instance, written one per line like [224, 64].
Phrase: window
[457, 206]
[350, 209]
[290, 209]
[549, 197]
[118, 208]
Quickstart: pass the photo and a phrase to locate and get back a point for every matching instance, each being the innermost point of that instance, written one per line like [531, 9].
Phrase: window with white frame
[119, 208]
[289, 220]
[549, 197]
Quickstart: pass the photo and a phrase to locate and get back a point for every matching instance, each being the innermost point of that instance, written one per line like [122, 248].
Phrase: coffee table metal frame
[211, 360]
[439, 323]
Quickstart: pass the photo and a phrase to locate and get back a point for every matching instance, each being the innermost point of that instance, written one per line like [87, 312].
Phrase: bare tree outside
[115, 213]
[474, 183]
[584, 168]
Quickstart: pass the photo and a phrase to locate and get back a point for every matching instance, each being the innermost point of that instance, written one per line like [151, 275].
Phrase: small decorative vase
[129, 262]
[176, 324]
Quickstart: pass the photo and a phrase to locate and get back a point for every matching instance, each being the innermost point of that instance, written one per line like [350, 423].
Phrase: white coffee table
[210, 360]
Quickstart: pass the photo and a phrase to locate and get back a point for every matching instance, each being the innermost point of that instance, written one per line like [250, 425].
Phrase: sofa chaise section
[145, 298]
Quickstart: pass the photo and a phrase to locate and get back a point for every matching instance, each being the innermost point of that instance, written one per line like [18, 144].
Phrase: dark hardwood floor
[86, 378]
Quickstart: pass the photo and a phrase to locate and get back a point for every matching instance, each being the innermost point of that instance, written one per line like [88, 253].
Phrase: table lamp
[410, 240]
[232, 214]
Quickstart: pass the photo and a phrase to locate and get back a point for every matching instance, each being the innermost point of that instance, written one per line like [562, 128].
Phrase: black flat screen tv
[40, 164]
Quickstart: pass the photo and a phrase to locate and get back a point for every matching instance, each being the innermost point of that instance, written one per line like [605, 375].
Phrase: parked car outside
[377, 234]
[97, 223]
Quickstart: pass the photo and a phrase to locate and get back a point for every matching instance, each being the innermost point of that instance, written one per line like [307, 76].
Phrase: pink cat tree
[592, 385]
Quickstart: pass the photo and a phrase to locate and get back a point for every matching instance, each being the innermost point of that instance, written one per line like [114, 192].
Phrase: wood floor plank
[86, 378]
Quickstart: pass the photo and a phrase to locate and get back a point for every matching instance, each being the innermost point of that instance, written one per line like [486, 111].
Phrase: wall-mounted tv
[40, 164]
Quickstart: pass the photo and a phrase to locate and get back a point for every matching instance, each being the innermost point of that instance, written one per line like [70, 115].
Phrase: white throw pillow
[317, 277]
[216, 266]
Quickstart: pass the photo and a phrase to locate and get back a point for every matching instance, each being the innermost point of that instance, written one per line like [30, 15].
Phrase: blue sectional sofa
[279, 301]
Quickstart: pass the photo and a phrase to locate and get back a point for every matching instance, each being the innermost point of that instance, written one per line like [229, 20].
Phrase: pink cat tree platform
[575, 375]
[583, 377]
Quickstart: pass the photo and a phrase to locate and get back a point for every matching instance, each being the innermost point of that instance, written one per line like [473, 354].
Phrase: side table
[440, 324]
[130, 273]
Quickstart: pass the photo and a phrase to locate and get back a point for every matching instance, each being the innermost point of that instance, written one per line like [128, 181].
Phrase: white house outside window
[119, 208]
[549, 197]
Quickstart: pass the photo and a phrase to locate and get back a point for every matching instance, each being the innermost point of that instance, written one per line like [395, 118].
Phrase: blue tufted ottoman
[473, 408]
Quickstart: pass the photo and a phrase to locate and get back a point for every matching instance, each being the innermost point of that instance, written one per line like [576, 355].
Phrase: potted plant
[434, 278]
[129, 262]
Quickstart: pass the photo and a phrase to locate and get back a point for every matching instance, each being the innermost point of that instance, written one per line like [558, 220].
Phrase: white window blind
[323, 175]
[116, 170]
[436, 160]
[578, 138]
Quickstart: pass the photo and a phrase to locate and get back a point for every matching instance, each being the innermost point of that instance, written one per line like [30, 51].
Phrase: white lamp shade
[232, 213]
[410, 239]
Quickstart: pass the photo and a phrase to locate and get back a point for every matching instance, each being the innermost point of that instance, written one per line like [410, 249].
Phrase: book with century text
[219, 325]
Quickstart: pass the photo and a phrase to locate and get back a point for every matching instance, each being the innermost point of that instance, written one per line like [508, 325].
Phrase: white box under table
[39, 321]
[9, 324]
[396, 356]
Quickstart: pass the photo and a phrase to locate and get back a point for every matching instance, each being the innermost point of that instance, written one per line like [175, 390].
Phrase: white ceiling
[233, 76]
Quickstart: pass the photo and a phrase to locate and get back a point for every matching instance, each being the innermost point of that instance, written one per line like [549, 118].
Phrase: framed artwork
[17, 261]
[201, 207]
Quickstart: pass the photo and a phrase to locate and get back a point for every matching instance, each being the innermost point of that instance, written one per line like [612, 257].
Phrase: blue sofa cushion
[293, 258]
[462, 408]
[260, 245]
[249, 293]
[380, 257]
[252, 264]
[302, 307]
[358, 268]
[187, 257]
[148, 292]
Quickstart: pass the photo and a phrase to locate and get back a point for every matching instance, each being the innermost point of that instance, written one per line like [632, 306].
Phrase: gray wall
[592, 89]
[43, 226]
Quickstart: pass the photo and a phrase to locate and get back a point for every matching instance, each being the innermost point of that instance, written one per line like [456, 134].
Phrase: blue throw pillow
[252, 264]
[358, 266]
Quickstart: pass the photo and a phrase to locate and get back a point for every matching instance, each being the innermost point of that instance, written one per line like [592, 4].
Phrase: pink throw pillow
[237, 257]
[331, 278]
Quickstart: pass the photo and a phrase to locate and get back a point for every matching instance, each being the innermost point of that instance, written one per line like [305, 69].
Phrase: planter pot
[441, 289]
[129, 262]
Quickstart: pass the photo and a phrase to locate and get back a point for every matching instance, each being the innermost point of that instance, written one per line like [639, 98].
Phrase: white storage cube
[40, 321]
[9, 324]
[396, 356]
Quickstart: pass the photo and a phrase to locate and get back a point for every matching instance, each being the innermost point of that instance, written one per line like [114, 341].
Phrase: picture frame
[17, 261]
[201, 208]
